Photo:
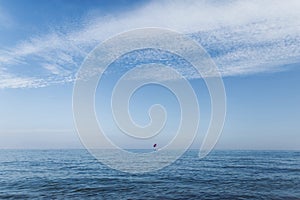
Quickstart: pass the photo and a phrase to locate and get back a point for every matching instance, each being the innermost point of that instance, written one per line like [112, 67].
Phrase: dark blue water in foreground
[75, 174]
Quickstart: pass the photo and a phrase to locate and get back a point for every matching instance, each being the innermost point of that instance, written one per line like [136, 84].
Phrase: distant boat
[154, 147]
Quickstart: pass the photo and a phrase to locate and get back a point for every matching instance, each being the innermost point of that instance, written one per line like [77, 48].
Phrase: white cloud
[243, 37]
[10, 81]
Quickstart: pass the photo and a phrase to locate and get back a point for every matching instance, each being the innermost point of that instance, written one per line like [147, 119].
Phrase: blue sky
[255, 44]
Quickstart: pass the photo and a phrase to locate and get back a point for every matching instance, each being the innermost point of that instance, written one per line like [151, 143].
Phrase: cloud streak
[242, 37]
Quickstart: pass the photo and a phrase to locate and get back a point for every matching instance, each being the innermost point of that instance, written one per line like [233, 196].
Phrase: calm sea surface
[75, 174]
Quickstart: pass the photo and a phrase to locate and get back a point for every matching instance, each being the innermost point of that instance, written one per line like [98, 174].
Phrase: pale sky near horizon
[255, 44]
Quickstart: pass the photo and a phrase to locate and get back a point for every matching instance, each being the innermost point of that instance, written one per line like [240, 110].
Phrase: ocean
[75, 174]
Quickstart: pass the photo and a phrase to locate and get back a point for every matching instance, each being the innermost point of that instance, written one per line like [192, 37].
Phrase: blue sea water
[75, 174]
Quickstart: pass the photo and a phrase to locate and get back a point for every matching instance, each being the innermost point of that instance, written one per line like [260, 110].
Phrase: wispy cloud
[243, 37]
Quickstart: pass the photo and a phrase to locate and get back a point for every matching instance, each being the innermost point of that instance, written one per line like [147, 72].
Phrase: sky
[254, 44]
